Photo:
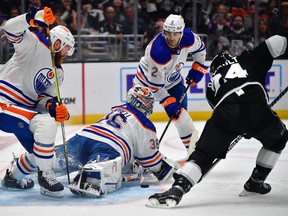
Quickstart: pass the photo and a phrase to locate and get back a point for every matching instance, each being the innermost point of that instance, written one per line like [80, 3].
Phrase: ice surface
[217, 194]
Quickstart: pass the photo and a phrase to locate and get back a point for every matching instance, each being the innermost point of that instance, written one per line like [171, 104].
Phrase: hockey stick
[239, 137]
[179, 104]
[59, 101]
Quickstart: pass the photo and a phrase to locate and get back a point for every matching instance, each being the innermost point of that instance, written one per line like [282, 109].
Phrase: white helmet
[141, 98]
[63, 34]
[174, 23]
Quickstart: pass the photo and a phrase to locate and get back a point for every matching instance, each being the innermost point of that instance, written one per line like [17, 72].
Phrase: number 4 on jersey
[236, 71]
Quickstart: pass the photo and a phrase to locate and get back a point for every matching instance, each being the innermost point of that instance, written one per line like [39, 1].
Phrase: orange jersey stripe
[25, 113]
[153, 160]
[15, 95]
[140, 76]
[13, 39]
[112, 137]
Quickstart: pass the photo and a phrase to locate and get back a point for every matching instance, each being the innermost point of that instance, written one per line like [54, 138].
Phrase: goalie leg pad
[106, 175]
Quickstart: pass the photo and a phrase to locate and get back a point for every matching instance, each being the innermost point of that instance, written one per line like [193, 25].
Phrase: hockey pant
[82, 150]
[214, 141]
[36, 132]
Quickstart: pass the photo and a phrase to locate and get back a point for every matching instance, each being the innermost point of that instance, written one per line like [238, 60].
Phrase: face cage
[146, 108]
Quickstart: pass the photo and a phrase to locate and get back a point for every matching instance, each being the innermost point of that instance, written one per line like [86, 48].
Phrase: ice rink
[217, 194]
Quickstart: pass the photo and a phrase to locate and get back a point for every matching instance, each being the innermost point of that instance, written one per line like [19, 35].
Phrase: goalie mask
[141, 98]
[65, 36]
[220, 60]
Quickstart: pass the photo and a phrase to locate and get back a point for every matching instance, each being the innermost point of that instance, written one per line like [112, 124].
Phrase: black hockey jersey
[249, 68]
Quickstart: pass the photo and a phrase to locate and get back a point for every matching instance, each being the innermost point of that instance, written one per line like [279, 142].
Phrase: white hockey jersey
[159, 69]
[129, 132]
[27, 79]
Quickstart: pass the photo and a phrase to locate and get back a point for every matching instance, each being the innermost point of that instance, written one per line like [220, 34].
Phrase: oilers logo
[175, 74]
[42, 80]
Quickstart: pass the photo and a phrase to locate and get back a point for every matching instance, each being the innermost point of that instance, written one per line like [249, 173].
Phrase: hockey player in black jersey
[239, 100]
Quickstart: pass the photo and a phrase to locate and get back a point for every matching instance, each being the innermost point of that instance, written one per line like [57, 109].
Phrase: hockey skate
[49, 186]
[166, 199]
[11, 182]
[253, 188]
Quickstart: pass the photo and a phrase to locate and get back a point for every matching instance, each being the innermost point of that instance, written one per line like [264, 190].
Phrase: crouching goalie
[106, 149]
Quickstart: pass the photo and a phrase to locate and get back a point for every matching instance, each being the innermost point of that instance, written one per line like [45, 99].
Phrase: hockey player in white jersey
[160, 67]
[237, 94]
[107, 148]
[28, 107]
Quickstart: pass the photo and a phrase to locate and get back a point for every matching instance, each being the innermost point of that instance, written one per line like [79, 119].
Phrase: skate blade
[89, 193]
[154, 203]
[56, 194]
[246, 193]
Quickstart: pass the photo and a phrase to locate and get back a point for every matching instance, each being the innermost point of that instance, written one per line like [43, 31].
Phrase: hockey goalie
[105, 150]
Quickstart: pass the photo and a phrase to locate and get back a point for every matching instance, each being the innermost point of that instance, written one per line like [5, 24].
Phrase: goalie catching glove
[59, 112]
[40, 17]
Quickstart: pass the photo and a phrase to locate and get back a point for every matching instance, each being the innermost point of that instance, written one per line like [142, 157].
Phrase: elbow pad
[276, 45]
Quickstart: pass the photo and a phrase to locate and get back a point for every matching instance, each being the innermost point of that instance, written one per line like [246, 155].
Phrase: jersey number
[236, 71]
[116, 120]
[154, 72]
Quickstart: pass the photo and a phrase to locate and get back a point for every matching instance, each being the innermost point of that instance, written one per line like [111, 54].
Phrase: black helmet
[220, 60]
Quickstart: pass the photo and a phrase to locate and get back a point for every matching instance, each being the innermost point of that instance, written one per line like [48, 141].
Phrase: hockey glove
[59, 112]
[40, 18]
[171, 107]
[196, 73]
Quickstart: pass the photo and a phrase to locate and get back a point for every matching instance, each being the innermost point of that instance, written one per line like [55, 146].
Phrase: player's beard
[172, 44]
[59, 58]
